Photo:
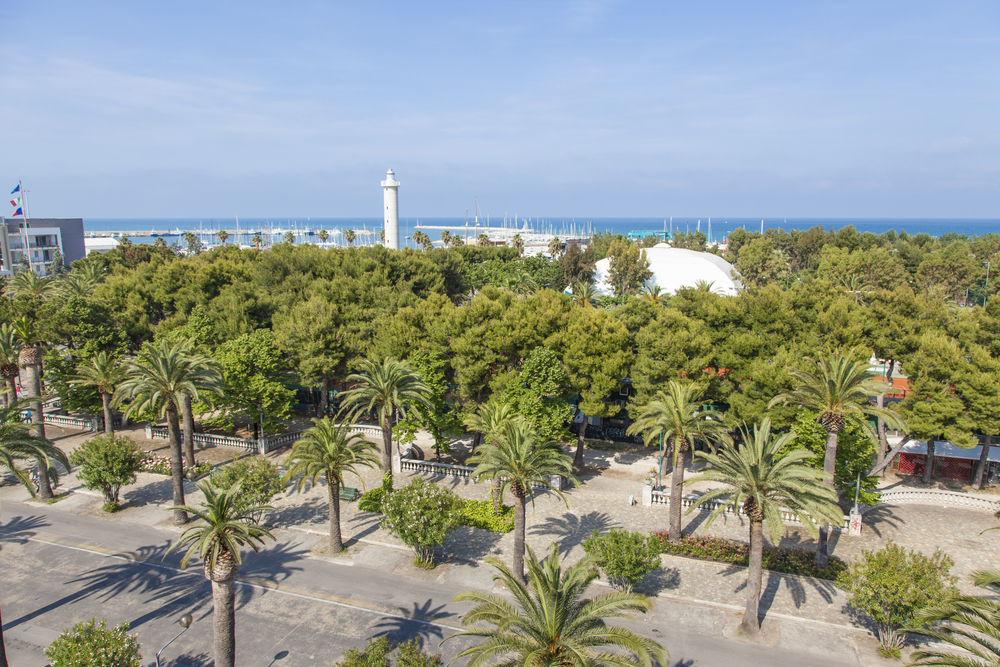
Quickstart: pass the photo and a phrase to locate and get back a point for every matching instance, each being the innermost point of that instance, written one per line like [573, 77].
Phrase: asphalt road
[292, 609]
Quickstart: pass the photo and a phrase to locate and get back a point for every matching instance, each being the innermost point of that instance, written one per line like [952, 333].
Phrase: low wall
[261, 445]
[651, 497]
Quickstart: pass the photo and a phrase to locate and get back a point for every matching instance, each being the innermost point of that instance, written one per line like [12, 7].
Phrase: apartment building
[37, 239]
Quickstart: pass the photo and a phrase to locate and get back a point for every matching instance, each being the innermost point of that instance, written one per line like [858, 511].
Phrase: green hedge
[479, 514]
[777, 559]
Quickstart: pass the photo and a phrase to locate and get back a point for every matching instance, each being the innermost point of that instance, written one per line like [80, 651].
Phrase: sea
[273, 230]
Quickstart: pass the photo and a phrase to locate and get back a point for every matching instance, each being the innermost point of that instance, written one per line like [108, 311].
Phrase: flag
[16, 213]
[17, 189]
[15, 202]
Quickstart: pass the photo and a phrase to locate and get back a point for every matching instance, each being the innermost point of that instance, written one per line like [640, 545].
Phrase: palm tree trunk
[333, 488]
[224, 622]
[883, 440]
[32, 388]
[929, 465]
[520, 503]
[495, 496]
[578, 457]
[984, 460]
[11, 390]
[829, 467]
[106, 404]
[176, 463]
[187, 412]
[676, 486]
[751, 623]
[387, 445]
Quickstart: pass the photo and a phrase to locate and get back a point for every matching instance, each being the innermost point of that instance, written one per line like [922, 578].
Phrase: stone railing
[653, 497]
[205, 439]
[72, 421]
[262, 445]
[938, 497]
[453, 470]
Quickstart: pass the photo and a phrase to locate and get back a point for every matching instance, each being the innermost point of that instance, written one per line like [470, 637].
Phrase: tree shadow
[882, 517]
[23, 524]
[192, 660]
[570, 530]
[661, 579]
[367, 522]
[312, 510]
[472, 543]
[420, 622]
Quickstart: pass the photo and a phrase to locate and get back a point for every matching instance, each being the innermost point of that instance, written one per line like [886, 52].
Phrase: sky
[562, 108]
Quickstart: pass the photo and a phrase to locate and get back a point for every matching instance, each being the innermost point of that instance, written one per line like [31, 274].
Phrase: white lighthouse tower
[390, 196]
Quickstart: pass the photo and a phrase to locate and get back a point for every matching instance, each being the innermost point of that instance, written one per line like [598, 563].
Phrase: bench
[348, 493]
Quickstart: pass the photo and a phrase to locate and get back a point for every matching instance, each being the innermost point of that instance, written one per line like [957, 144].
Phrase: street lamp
[185, 622]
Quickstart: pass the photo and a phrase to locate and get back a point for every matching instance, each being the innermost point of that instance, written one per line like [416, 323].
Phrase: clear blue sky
[576, 108]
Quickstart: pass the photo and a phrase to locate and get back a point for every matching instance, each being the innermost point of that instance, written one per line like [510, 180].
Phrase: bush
[421, 514]
[260, 478]
[371, 501]
[625, 557]
[107, 463]
[891, 586]
[776, 559]
[479, 514]
[377, 654]
[89, 644]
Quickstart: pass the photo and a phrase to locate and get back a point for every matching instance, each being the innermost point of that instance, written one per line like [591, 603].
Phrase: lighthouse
[390, 198]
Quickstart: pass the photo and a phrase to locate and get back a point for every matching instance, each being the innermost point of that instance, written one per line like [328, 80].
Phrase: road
[292, 609]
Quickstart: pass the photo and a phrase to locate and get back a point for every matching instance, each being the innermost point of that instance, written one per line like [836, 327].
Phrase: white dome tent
[674, 268]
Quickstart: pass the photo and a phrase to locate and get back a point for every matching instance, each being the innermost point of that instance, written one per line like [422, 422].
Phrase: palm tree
[29, 334]
[518, 242]
[676, 416]
[9, 350]
[256, 240]
[550, 623]
[156, 381]
[28, 283]
[840, 387]
[227, 524]
[584, 294]
[653, 292]
[521, 461]
[423, 239]
[323, 235]
[969, 623]
[92, 271]
[704, 285]
[222, 235]
[446, 238]
[761, 479]
[349, 236]
[76, 284]
[555, 247]
[489, 421]
[332, 451]
[482, 240]
[456, 241]
[17, 443]
[103, 373]
[386, 388]
[289, 238]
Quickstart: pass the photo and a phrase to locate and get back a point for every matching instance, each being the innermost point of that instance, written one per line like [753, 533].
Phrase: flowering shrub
[89, 644]
[421, 514]
[160, 465]
[625, 557]
[778, 559]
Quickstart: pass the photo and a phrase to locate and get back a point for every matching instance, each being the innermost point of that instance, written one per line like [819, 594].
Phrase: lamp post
[185, 622]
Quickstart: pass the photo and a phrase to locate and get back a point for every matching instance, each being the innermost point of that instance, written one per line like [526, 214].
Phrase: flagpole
[24, 224]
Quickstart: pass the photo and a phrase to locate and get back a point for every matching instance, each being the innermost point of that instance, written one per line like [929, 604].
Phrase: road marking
[260, 584]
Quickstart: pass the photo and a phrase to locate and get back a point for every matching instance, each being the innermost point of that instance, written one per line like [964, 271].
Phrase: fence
[938, 497]
[663, 498]
[261, 445]
[465, 472]
[80, 423]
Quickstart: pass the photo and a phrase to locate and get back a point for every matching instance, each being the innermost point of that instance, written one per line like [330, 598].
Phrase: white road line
[276, 588]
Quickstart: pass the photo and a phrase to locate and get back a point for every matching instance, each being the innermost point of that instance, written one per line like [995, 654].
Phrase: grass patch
[55, 499]
[776, 559]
